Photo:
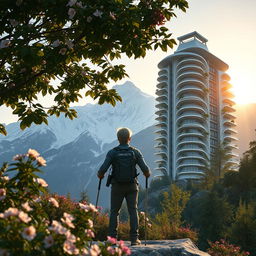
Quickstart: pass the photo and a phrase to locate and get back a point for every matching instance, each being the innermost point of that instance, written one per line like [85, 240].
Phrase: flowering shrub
[33, 222]
[223, 248]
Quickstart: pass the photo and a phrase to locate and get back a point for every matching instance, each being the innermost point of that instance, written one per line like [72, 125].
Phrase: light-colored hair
[123, 135]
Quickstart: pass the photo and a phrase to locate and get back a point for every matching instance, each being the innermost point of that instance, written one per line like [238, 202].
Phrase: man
[124, 159]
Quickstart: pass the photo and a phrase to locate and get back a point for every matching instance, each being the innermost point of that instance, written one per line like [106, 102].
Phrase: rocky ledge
[180, 247]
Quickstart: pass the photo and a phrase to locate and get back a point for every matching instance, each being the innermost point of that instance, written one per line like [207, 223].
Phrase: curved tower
[195, 113]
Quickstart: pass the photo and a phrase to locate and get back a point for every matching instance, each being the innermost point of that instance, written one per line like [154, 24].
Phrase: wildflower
[48, 241]
[111, 240]
[32, 153]
[112, 15]
[58, 228]
[70, 248]
[5, 43]
[68, 218]
[95, 250]
[89, 233]
[70, 237]
[44, 62]
[27, 207]
[14, 23]
[118, 251]
[24, 217]
[56, 43]
[11, 212]
[41, 182]
[126, 250]
[54, 202]
[88, 208]
[62, 51]
[89, 19]
[29, 233]
[111, 250]
[71, 3]
[90, 222]
[70, 44]
[41, 161]
[71, 13]
[2, 194]
[84, 252]
[98, 13]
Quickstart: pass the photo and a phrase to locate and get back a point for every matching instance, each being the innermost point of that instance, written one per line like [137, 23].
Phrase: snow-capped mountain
[100, 121]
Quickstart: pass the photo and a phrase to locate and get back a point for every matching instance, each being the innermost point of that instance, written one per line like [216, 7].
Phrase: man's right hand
[147, 174]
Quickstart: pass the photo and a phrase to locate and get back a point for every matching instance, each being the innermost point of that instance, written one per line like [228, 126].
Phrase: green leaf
[3, 130]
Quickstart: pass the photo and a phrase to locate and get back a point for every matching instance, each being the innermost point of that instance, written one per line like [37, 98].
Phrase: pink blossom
[17, 157]
[98, 13]
[111, 240]
[41, 161]
[126, 250]
[29, 233]
[111, 250]
[2, 194]
[63, 51]
[5, 43]
[54, 202]
[89, 19]
[32, 153]
[1, 215]
[24, 217]
[84, 252]
[71, 2]
[70, 248]
[48, 241]
[56, 43]
[11, 212]
[71, 13]
[88, 208]
[118, 251]
[27, 207]
[58, 228]
[41, 182]
[89, 233]
[95, 250]
[70, 237]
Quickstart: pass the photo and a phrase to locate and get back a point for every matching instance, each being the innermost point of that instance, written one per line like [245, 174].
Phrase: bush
[223, 248]
[33, 222]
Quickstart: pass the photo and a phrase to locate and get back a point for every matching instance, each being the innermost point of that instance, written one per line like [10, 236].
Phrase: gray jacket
[138, 156]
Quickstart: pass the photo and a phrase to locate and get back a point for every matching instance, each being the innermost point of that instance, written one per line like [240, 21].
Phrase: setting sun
[243, 89]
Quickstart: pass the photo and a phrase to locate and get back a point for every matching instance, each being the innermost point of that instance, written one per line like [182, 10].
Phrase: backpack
[124, 165]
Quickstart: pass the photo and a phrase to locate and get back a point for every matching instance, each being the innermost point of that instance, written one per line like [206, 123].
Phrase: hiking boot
[135, 242]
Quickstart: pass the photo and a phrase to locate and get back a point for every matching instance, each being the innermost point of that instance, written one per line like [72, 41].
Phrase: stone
[179, 247]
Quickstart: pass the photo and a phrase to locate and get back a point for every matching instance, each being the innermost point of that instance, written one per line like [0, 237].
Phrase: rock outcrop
[180, 247]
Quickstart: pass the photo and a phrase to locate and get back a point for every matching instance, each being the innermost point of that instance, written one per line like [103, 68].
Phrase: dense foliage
[33, 222]
[73, 41]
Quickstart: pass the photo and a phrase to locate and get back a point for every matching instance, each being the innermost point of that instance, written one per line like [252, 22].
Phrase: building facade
[195, 113]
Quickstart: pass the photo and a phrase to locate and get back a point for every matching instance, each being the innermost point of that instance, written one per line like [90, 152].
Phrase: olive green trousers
[129, 191]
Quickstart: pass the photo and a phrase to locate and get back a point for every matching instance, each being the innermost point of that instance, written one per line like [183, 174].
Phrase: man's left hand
[100, 176]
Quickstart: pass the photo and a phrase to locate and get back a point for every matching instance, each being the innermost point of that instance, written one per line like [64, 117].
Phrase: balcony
[228, 137]
[192, 99]
[228, 94]
[161, 92]
[162, 118]
[186, 134]
[162, 139]
[162, 98]
[186, 68]
[190, 174]
[192, 125]
[229, 101]
[190, 142]
[191, 81]
[192, 61]
[226, 86]
[198, 157]
[162, 105]
[192, 107]
[229, 123]
[228, 108]
[161, 132]
[192, 149]
[162, 78]
[190, 74]
[230, 131]
[191, 89]
[162, 85]
[161, 112]
[225, 77]
[188, 116]
[229, 116]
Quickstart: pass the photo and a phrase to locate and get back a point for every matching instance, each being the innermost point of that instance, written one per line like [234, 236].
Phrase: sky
[229, 27]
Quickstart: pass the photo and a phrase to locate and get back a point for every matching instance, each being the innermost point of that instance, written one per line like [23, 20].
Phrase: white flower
[58, 228]
[5, 43]
[2, 194]
[14, 23]
[24, 217]
[70, 248]
[71, 13]
[71, 2]
[84, 252]
[56, 43]
[70, 237]
[11, 212]
[98, 13]
[32, 152]
[54, 202]
[62, 51]
[27, 207]
[41, 161]
[95, 250]
[48, 241]
[88, 208]
[29, 233]
[68, 218]
[112, 15]
[70, 44]
[89, 19]
[89, 233]
[90, 222]
[41, 182]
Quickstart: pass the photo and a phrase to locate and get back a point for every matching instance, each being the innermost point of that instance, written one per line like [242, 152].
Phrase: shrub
[223, 248]
[33, 222]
